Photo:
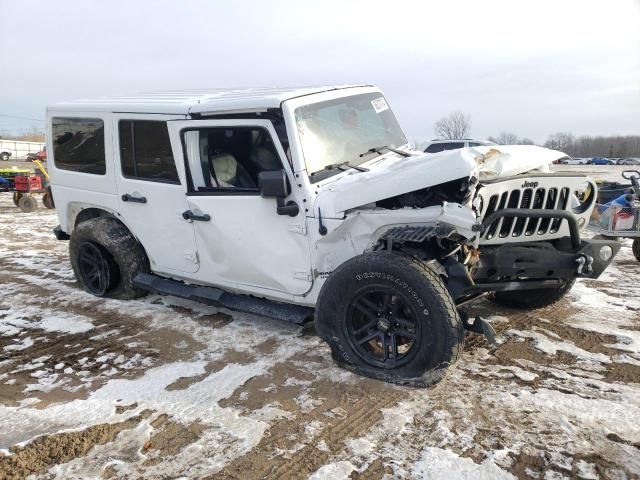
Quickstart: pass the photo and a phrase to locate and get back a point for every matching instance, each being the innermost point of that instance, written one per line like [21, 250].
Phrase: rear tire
[390, 317]
[27, 203]
[106, 257]
[635, 248]
[530, 299]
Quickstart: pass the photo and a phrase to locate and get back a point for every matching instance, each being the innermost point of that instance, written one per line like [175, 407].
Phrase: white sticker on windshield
[379, 104]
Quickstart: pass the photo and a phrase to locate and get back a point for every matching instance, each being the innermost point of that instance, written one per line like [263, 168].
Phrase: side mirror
[275, 184]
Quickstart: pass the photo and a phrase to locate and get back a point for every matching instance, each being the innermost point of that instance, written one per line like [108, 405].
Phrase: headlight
[583, 197]
[583, 191]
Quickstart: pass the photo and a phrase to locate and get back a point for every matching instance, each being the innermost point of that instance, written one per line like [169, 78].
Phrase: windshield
[339, 131]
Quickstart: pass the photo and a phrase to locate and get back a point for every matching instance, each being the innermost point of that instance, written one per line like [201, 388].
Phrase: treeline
[457, 125]
[586, 146]
[33, 135]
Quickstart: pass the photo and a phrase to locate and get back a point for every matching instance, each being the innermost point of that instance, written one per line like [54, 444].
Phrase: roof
[196, 101]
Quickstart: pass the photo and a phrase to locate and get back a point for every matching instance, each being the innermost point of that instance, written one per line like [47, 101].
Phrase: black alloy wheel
[382, 327]
[96, 268]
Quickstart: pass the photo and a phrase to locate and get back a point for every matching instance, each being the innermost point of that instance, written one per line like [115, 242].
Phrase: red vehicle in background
[25, 183]
[41, 155]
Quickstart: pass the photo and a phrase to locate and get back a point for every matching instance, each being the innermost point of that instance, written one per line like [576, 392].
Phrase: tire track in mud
[305, 461]
[320, 413]
[115, 346]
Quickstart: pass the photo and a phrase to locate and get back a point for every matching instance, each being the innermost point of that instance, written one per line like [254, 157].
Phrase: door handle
[130, 198]
[189, 215]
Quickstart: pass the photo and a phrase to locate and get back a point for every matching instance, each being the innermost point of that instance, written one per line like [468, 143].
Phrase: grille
[530, 198]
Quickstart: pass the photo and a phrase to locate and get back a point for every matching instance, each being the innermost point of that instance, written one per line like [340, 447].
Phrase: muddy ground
[166, 388]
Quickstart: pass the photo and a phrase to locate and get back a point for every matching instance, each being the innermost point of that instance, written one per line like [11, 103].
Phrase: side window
[435, 148]
[475, 144]
[145, 151]
[78, 145]
[229, 158]
[453, 145]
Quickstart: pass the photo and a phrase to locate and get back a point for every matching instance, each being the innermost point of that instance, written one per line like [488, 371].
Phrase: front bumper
[520, 266]
[534, 264]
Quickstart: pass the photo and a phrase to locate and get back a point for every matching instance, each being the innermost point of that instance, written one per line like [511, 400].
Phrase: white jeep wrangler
[280, 202]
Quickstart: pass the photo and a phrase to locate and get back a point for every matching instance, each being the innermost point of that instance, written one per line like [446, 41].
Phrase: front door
[242, 241]
[151, 193]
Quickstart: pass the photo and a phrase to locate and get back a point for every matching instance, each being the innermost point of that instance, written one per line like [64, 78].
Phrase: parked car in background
[441, 145]
[629, 161]
[601, 161]
[572, 161]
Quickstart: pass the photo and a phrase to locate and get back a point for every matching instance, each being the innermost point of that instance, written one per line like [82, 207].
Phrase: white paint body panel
[74, 191]
[158, 224]
[246, 245]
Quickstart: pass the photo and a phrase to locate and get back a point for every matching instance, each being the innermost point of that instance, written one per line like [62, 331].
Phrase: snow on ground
[163, 387]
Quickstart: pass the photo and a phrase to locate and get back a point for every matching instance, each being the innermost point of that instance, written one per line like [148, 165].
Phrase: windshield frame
[291, 107]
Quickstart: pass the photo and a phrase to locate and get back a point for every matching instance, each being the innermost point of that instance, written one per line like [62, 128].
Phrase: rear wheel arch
[79, 214]
[84, 214]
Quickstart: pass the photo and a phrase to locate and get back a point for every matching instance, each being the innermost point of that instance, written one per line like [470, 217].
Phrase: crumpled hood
[508, 160]
[395, 175]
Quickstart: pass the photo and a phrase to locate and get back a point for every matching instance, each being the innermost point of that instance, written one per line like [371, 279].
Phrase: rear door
[242, 241]
[151, 192]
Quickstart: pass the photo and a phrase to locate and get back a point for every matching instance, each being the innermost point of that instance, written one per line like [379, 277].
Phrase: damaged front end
[490, 219]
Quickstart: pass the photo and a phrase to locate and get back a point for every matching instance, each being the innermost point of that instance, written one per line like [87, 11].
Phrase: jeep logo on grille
[528, 184]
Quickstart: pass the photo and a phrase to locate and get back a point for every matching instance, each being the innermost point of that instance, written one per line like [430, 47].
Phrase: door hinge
[303, 276]
[191, 256]
[298, 228]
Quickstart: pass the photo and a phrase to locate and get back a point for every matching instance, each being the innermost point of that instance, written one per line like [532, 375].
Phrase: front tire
[531, 299]
[390, 317]
[106, 257]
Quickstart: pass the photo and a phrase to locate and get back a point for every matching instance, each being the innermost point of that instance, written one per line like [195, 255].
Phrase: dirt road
[164, 388]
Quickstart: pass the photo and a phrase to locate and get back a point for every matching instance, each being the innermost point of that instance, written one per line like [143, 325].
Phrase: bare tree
[563, 141]
[506, 138]
[526, 141]
[455, 126]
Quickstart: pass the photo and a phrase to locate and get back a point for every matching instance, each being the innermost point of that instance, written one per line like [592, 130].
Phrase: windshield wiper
[341, 166]
[385, 147]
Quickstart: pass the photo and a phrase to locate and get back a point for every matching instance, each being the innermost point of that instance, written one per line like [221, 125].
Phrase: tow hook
[481, 326]
[584, 264]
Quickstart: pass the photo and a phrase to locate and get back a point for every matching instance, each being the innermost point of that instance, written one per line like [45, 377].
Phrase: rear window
[441, 147]
[145, 151]
[78, 145]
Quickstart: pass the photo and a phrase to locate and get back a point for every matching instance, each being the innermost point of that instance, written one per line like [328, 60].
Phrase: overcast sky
[530, 67]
